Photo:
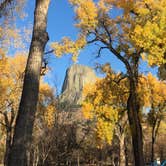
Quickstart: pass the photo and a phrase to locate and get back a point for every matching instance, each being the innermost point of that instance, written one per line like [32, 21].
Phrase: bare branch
[110, 47]
[99, 52]
[4, 106]
[120, 79]
[4, 4]
[92, 41]
[3, 124]
[121, 58]
[49, 52]
[107, 31]
[12, 117]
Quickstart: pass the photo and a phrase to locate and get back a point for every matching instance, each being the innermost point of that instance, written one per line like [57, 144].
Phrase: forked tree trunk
[27, 109]
[135, 123]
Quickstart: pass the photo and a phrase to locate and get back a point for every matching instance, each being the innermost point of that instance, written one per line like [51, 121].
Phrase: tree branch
[3, 124]
[91, 41]
[49, 52]
[122, 59]
[109, 46]
[120, 79]
[100, 49]
[3, 5]
[108, 33]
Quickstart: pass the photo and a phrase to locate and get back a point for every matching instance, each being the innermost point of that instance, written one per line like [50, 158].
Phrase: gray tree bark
[28, 105]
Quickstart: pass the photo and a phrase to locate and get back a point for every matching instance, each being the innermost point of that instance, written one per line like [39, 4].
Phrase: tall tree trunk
[152, 149]
[126, 153]
[28, 105]
[78, 159]
[155, 128]
[121, 134]
[135, 124]
[9, 123]
[8, 145]
[122, 157]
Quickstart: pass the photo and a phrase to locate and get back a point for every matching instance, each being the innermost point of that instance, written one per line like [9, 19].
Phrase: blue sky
[61, 23]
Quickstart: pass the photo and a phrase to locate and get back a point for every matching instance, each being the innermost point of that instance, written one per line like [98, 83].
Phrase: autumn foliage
[119, 106]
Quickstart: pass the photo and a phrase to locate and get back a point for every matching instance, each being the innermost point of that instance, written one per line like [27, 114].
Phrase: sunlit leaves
[150, 30]
[12, 37]
[151, 91]
[139, 27]
[11, 80]
[86, 13]
[107, 99]
[46, 106]
[67, 46]
[104, 101]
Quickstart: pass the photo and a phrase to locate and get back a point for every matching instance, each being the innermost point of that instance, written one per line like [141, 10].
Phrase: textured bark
[122, 159]
[8, 126]
[152, 149]
[8, 145]
[120, 132]
[135, 123]
[133, 106]
[27, 109]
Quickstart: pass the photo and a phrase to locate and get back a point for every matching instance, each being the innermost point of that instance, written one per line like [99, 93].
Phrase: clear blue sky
[61, 23]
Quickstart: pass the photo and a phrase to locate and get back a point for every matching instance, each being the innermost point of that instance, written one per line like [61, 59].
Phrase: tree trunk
[9, 124]
[135, 124]
[126, 153]
[122, 159]
[78, 159]
[155, 128]
[8, 145]
[152, 149]
[28, 105]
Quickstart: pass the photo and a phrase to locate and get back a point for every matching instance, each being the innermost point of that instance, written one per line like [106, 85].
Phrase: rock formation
[77, 76]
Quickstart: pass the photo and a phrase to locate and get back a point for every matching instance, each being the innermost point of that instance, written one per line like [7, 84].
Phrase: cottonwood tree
[43, 134]
[11, 86]
[154, 97]
[11, 80]
[118, 34]
[113, 90]
[6, 4]
[10, 11]
[105, 105]
[28, 105]
[11, 68]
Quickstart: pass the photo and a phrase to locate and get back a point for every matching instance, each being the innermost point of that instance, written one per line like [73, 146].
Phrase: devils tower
[77, 76]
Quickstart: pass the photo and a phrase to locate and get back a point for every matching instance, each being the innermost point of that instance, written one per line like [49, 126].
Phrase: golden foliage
[86, 13]
[149, 30]
[151, 91]
[46, 106]
[139, 28]
[67, 46]
[107, 99]
[13, 37]
[11, 80]
[103, 102]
